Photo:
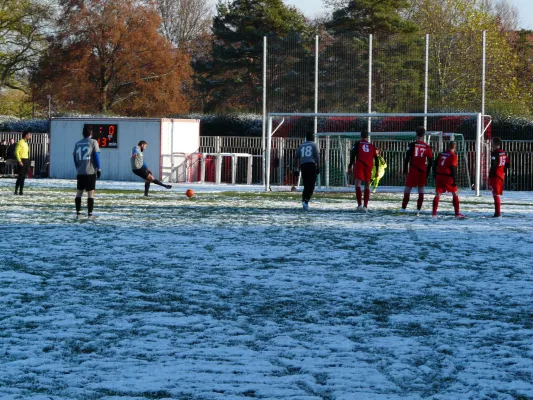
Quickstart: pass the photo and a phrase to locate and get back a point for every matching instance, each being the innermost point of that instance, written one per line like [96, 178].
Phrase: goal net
[335, 150]
[336, 133]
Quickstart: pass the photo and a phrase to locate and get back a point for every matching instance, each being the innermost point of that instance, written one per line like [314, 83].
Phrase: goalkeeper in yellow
[381, 170]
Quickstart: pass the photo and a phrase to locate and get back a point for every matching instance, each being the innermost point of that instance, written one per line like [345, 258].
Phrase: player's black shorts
[142, 172]
[86, 182]
[23, 170]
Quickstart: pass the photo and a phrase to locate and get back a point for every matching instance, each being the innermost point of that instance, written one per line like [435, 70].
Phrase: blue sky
[524, 7]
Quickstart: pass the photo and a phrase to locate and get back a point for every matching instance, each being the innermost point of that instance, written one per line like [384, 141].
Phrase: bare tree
[184, 20]
[22, 27]
[336, 4]
[506, 14]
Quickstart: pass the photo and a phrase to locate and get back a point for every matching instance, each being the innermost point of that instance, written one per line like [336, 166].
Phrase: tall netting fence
[403, 73]
[398, 68]
[455, 72]
[290, 73]
[342, 63]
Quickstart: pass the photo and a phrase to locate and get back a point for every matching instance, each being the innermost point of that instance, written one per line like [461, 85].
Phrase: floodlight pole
[316, 86]
[480, 122]
[483, 72]
[426, 80]
[370, 81]
[264, 105]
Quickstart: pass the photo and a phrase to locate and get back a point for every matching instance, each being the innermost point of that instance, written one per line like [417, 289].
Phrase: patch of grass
[75, 347]
[156, 394]
[413, 329]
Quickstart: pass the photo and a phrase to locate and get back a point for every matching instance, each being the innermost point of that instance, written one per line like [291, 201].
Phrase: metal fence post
[426, 83]
[264, 105]
[483, 72]
[316, 86]
[370, 81]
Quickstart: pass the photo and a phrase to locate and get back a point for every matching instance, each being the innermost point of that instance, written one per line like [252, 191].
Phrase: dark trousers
[22, 171]
[309, 174]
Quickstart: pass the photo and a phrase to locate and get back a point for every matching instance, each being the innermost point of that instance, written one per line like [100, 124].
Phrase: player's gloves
[98, 173]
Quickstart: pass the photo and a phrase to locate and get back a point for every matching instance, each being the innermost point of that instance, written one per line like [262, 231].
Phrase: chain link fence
[403, 73]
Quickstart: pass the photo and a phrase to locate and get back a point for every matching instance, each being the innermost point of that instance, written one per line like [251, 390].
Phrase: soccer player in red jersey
[445, 178]
[417, 166]
[364, 155]
[499, 164]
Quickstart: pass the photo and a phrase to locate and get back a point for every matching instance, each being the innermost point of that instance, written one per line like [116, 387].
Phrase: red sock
[456, 204]
[358, 195]
[420, 201]
[367, 197]
[405, 200]
[435, 205]
[497, 205]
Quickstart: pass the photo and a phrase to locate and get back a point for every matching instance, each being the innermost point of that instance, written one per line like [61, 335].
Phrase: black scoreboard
[105, 135]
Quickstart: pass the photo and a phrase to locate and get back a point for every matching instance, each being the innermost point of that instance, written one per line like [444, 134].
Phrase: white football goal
[335, 135]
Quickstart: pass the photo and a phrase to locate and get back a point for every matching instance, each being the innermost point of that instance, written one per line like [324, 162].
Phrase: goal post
[331, 140]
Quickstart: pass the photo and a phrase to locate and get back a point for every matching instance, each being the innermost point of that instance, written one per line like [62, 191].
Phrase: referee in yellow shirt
[22, 155]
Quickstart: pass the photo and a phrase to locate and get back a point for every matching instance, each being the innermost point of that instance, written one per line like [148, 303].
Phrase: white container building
[166, 138]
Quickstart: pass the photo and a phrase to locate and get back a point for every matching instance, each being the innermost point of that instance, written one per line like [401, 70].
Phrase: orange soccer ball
[189, 193]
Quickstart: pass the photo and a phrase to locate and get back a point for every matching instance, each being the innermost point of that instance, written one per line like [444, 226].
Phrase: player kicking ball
[445, 178]
[139, 168]
[365, 157]
[499, 164]
[308, 158]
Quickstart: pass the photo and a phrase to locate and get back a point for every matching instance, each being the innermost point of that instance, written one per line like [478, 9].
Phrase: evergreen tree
[396, 67]
[231, 78]
[363, 17]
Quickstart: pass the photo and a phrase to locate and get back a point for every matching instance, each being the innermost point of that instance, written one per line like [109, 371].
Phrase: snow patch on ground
[238, 293]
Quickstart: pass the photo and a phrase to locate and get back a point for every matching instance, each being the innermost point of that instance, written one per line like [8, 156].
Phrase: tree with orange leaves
[110, 57]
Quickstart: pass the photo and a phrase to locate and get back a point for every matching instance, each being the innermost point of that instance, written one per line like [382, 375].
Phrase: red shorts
[496, 183]
[362, 172]
[415, 178]
[444, 183]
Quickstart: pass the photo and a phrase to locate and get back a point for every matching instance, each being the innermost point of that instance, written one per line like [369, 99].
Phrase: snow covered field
[234, 295]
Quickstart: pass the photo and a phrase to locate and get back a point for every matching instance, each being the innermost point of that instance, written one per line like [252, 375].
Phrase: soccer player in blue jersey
[87, 162]
[139, 168]
[307, 158]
